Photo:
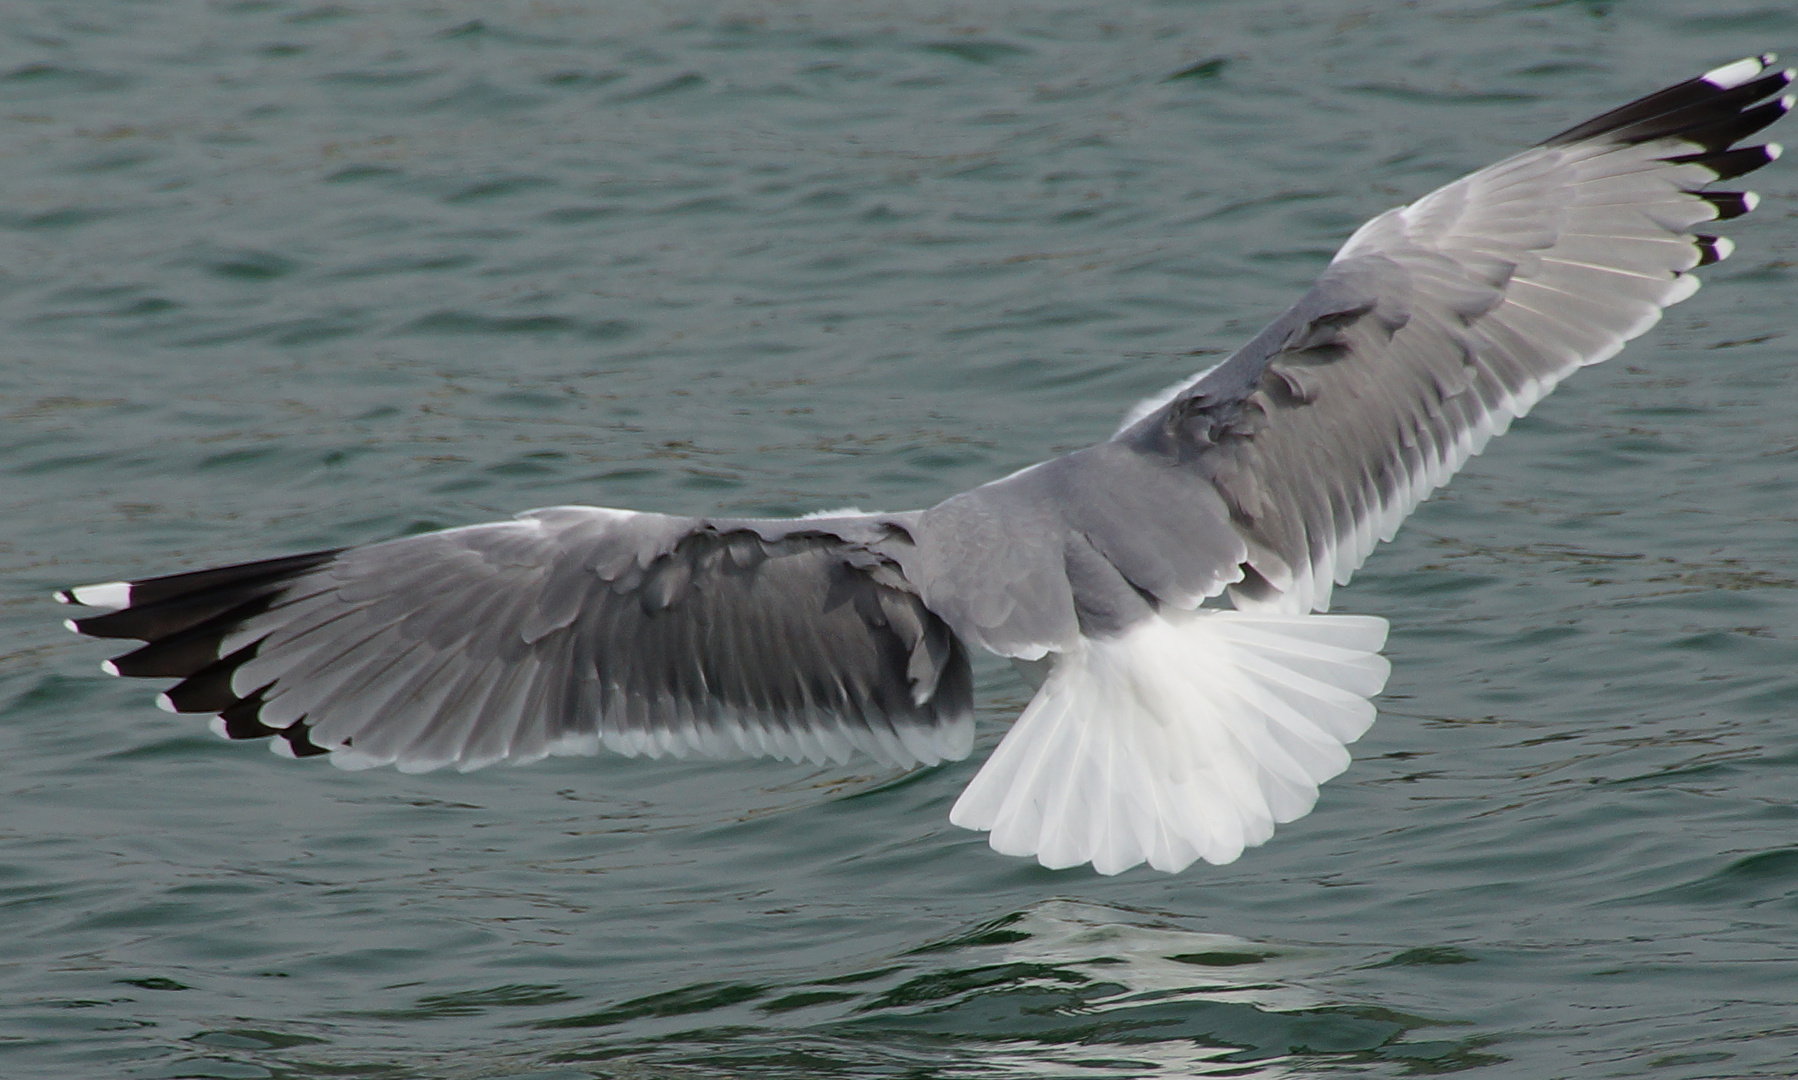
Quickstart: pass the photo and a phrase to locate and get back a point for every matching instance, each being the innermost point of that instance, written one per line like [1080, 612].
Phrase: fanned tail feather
[1188, 737]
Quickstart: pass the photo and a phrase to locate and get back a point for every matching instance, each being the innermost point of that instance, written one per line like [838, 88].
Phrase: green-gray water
[286, 275]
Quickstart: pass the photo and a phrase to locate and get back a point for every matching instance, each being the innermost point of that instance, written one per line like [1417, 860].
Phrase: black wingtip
[1730, 204]
[208, 690]
[1713, 110]
[185, 621]
[157, 608]
[1713, 249]
[1730, 164]
[299, 742]
[242, 719]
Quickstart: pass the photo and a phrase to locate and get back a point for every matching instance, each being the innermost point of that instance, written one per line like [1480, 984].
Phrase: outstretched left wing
[556, 632]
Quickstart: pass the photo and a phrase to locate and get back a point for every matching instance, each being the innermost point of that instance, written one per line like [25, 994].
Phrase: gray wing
[1439, 323]
[559, 631]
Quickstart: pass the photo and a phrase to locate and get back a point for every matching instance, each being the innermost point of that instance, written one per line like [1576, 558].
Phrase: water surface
[280, 276]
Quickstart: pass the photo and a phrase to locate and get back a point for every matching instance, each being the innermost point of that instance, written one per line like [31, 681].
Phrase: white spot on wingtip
[1683, 287]
[109, 594]
[109, 667]
[69, 624]
[1730, 76]
[281, 747]
[1723, 247]
[165, 703]
[217, 725]
[1750, 200]
[1774, 150]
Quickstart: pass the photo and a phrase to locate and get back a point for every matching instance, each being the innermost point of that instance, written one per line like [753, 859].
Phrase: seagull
[1166, 589]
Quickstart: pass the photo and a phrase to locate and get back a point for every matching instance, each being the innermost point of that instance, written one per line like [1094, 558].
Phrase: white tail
[1188, 737]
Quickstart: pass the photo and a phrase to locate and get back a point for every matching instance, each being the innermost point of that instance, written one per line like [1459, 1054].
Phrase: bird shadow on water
[1060, 988]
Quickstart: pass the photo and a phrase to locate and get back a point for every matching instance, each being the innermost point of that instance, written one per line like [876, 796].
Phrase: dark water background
[283, 275]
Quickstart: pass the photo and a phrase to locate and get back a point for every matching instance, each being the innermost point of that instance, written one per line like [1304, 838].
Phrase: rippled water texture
[279, 276]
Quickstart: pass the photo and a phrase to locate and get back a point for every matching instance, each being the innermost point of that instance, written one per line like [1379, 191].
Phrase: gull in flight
[1168, 586]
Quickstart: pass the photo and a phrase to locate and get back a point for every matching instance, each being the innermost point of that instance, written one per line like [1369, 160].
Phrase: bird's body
[1174, 576]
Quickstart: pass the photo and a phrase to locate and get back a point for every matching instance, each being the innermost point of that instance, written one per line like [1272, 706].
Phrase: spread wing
[556, 632]
[1160, 734]
[1440, 322]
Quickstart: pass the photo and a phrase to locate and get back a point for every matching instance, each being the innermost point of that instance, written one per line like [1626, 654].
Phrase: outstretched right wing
[1439, 323]
[558, 631]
